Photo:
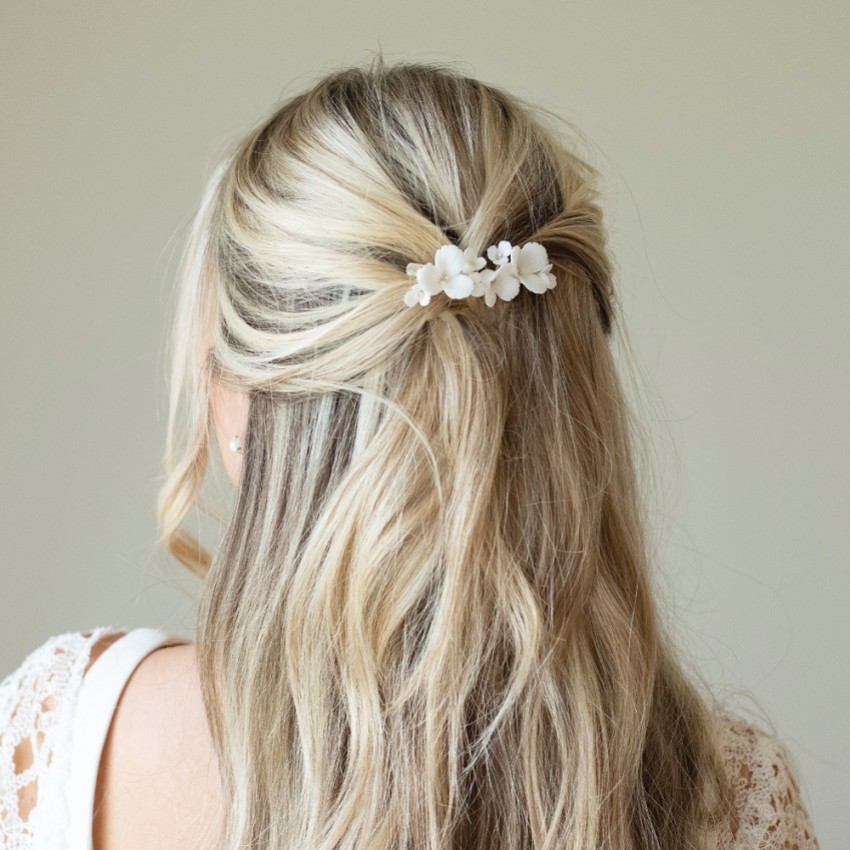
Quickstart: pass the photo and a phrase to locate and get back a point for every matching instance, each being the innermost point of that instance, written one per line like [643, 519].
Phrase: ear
[230, 413]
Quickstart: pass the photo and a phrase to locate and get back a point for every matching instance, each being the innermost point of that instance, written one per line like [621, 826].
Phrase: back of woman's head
[429, 622]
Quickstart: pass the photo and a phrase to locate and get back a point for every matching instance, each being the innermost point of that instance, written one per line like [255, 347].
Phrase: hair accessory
[234, 445]
[460, 273]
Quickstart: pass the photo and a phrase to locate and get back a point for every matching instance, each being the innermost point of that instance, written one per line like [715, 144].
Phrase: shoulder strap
[98, 697]
[36, 709]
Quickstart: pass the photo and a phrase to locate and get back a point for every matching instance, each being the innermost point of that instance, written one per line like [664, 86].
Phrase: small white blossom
[473, 263]
[530, 264]
[416, 295]
[450, 272]
[497, 283]
[501, 253]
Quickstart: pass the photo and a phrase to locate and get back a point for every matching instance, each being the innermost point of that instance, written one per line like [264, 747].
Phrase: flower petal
[430, 278]
[535, 282]
[412, 268]
[411, 297]
[458, 286]
[473, 263]
[490, 298]
[449, 260]
[481, 281]
[532, 258]
[506, 283]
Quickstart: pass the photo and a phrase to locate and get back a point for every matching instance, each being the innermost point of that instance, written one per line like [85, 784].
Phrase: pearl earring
[235, 445]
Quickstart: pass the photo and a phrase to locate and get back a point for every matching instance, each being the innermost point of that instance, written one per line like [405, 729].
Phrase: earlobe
[230, 414]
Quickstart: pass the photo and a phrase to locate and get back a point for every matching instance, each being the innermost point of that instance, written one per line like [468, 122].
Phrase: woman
[429, 623]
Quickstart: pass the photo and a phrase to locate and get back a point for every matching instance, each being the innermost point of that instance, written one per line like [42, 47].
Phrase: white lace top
[54, 717]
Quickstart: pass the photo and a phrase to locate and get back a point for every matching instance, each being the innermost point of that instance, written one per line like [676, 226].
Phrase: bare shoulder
[157, 784]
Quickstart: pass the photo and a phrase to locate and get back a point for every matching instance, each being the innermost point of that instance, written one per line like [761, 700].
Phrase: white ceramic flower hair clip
[460, 273]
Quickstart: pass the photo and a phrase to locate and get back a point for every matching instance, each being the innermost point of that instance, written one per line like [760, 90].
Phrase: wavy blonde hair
[429, 622]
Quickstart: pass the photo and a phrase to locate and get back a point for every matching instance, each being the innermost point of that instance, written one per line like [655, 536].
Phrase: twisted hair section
[429, 623]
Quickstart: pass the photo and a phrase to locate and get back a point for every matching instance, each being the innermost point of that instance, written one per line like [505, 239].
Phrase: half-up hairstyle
[429, 623]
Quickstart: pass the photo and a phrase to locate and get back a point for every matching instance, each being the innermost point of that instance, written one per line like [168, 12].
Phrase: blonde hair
[429, 622]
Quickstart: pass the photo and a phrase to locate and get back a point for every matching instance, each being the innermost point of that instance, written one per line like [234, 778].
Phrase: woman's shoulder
[56, 669]
[159, 782]
[38, 707]
[770, 811]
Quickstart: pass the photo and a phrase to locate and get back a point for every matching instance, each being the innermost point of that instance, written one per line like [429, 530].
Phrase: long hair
[429, 623]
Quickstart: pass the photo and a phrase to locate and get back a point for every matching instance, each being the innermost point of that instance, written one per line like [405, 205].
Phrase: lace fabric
[36, 719]
[770, 813]
[36, 714]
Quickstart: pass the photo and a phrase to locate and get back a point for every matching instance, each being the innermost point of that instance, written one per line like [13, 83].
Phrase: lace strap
[771, 814]
[36, 704]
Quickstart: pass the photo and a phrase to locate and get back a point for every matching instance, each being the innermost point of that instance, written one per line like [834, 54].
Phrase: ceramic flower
[498, 283]
[530, 264]
[501, 253]
[416, 294]
[452, 272]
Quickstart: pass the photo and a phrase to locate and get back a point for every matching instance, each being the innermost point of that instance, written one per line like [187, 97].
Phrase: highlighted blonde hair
[429, 623]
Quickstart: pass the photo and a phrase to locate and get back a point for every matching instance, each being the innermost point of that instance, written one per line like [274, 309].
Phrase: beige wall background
[722, 131]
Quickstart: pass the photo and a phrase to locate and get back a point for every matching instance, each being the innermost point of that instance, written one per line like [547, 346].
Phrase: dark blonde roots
[429, 623]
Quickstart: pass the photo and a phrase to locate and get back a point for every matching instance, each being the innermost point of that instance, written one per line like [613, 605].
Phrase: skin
[157, 784]
[230, 414]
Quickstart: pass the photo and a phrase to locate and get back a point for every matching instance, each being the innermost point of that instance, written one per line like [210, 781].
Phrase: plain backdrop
[721, 130]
